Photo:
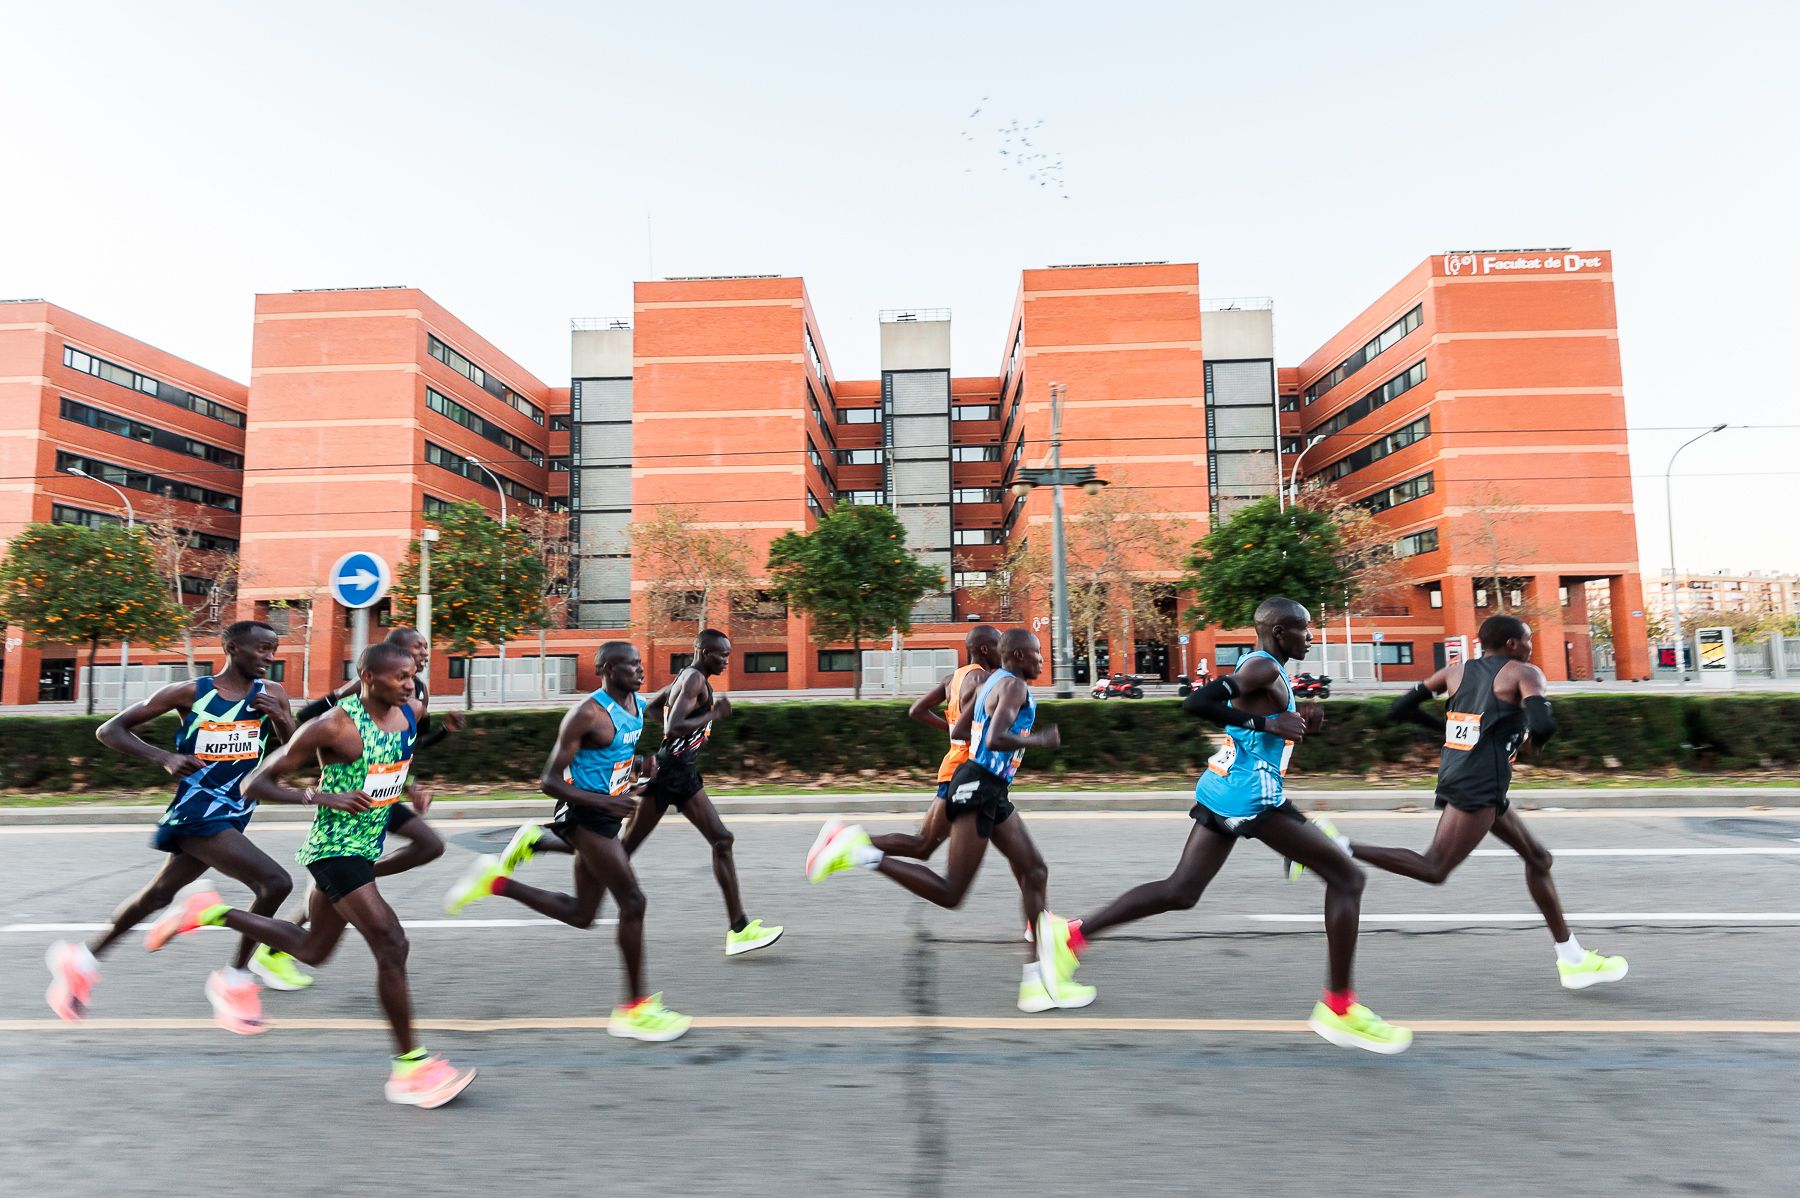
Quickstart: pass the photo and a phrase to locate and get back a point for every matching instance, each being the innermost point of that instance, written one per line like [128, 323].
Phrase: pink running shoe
[428, 1083]
[180, 921]
[73, 972]
[236, 1001]
[826, 834]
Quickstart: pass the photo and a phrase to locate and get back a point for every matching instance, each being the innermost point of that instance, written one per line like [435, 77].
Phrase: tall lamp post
[501, 488]
[1674, 589]
[130, 523]
[1057, 477]
[1292, 494]
[422, 605]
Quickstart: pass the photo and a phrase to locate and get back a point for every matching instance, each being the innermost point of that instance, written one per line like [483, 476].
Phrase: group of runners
[238, 745]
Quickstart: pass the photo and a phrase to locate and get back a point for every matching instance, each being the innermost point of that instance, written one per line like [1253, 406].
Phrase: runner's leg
[703, 815]
[370, 914]
[423, 846]
[933, 831]
[643, 821]
[967, 848]
[1511, 831]
[237, 857]
[312, 942]
[1298, 840]
[1201, 859]
[606, 865]
[1029, 870]
[1458, 832]
[177, 871]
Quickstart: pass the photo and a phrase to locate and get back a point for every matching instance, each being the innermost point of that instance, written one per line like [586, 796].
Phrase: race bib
[622, 774]
[1221, 762]
[386, 783]
[1287, 755]
[1462, 731]
[228, 740]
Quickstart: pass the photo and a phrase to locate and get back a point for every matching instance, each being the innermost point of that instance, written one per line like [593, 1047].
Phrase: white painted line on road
[409, 923]
[1595, 917]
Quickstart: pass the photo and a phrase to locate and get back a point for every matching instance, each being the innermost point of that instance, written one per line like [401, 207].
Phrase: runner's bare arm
[1008, 698]
[120, 733]
[273, 702]
[685, 715]
[582, 720]
[333, 734]
[924, 708]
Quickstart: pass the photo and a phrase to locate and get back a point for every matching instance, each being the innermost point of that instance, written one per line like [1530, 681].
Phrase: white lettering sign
[1488, 264]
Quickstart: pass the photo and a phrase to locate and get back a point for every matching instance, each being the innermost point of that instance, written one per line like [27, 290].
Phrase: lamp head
[1023, 488]
[1094, 486]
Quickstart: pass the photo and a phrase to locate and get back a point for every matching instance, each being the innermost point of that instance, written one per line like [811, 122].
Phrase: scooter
[1311, 687]
[1118, 686]
[1187, 686]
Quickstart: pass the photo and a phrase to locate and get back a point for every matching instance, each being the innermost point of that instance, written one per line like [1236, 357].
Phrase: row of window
[975, 536]
[64, 514]
[1424, 541]
[975, 411]
[482, 427]
[813, 505]
[149, 434]
[1373, 452]
[140, 480]
[859, 415]
[1375, 346]
[482, 379]
[1399, 493]
[1389, 391]
[455, 463]
[863, 498]
[854, 457]
[969, 580]
[124, 376]
[978, 495]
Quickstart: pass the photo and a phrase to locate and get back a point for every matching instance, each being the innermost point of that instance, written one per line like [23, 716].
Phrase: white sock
[1031, 973]
[1569, 952]
[1343, 842]
[84, 959]
[235, 974]
[867, 855]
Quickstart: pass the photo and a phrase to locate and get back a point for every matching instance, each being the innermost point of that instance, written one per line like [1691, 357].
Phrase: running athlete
[423, 845]
[593, 776]
[1240, 796]
[997, 725]
[363, 748]
[1498, 708]
[226, 721]
[690, 707]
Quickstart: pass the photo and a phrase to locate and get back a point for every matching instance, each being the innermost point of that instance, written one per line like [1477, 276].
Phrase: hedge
[1599, 733]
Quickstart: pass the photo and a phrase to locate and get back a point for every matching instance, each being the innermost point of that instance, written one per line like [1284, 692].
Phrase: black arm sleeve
[1538, 720]
[315, 709]
[1209, 703]
[1410, 706]
[430, 733]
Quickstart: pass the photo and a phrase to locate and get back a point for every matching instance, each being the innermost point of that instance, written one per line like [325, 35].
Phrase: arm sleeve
[430, 733]
[1538, 720]
[1410, 706]
[315, 709]
[1210, 704]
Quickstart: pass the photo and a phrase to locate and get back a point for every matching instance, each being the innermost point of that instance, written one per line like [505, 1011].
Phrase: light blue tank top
[610, 771]
[1244, 776]
[994, 761]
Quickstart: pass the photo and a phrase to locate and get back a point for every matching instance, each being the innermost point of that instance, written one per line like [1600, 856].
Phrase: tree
[549, 534]
[1018, 582]
[190, 569]
[690, 571]
[1115, 548]
[1262, 551]
[66, 584]
[1494, 538]
[487, 582]
[852, 574]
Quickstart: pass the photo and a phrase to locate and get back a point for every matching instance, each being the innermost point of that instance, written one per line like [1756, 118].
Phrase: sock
[867, 855]
[406, 1059]
[1569, 952]
[1343, 842]
[84, 959]
[1339, 1000]
[238, 975]
[1031, 973]
[499, 885]
[213, 916]
[740, 925]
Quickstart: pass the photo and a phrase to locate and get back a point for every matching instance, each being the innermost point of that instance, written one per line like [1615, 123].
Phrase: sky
[161, 163]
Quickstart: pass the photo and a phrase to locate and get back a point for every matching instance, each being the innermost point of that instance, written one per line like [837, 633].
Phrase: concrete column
[1631, 645]
[1552, 654]
[1459, 613]
[22, 663]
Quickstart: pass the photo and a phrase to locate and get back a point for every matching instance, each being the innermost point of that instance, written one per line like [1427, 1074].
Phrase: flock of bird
[1018, 152]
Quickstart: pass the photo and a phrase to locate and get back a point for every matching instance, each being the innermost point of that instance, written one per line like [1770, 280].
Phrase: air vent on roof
[1092, 265]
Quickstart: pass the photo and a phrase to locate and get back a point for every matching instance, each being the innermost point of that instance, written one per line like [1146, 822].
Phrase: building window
[1562, 596]
[679, 662]
[59, 514]
[483, 379]
[435, 506]
[112, 372]
[1230, 655]
[765, 663]
[812, 455]
[859, 457]
[1395, 387]
[277, 671]
[970, 580]
[1399, 493]
[1373, 452]
[153, 484]
[149, 434]
[1375, 346]
[975, 536]
[975, 411]
[859, 416]
[1290, 445]
[1424, 541]
[559, 464]
[1393, 653]
[813, 505]
[977, 495]
[459, 667]
[863, 498]
[559, 424]
[444, 406]
[455, 463]
[1290, 403]
[837, 661]
[976, 453]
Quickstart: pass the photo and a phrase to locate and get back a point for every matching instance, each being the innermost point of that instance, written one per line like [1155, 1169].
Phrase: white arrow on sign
[361, 578]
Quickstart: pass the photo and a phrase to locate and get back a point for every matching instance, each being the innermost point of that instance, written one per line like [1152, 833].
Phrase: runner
[226, 721]
[997, 726]
[1498, 709]
[364, 751]
[423, 845]
[592, 775]
[1240, 795]
[690, 707]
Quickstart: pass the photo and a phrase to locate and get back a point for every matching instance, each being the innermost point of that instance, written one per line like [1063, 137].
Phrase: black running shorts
[399, 814]
[338, 877]
[567, 816]
[975, 791]
[1462, 802]
[1247, 827]
[676, 781]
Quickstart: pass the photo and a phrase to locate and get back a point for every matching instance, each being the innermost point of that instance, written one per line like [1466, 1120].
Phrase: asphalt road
[825, 1064]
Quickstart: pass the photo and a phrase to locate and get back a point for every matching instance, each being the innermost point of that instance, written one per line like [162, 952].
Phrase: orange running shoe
[428, 1083]
[180, 921]
[236, 1001]
[73, 972]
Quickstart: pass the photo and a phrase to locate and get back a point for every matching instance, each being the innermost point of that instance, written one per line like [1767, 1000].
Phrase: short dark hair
[1497, 630]
[1271, 612]
[981, 634]
[612, 651]
[403, 634]
[243, 628]
[1014, 639]
[710, 636]
[383, 655]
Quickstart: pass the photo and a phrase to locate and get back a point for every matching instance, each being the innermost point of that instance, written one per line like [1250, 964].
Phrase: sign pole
[359, 634]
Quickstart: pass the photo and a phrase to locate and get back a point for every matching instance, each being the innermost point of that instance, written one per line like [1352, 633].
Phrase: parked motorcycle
[1118, 686]
[1311, 687]
[1187, 686]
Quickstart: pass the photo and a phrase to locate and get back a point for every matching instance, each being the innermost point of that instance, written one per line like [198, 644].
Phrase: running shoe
[428, 1083]
[1056, 960]
[1031, 937]
[647, 1019]
[521, 848]
[477, 882]
[279, 971]
[754, 936]
[236, 1001]
[1032, 995]
[826, 834]
[190, 916]
[1359, 1027]
[73, 972]
[1593, 970]
[837, 854]
[1293, 869]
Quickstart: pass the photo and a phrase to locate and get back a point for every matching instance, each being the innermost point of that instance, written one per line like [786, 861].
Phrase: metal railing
[593, 324]
[1238, 303]
[909, 315]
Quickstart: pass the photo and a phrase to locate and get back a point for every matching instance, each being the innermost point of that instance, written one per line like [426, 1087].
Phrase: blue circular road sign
[360, 579]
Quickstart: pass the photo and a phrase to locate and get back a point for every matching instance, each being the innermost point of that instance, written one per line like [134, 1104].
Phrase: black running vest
[1481, 734]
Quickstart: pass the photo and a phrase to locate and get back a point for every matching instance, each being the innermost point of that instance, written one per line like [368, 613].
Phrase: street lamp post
[1674, 589]
[1057, 477]
[1292, 494]
[501, 488]
[422, 605]
[130, 523]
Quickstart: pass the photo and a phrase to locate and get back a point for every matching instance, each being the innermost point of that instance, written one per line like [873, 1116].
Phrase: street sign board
[1184, 639]
[1378, 637]
[360, 579]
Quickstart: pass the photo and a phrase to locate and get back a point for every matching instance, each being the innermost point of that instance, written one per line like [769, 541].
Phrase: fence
[920, 669]
[140, 682]
[521, 678]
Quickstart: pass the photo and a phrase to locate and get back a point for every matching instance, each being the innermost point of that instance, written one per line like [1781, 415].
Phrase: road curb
[823, 804]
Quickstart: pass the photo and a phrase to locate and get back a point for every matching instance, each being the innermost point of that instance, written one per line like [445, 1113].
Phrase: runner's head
[414, 642]
[1506, 636]
[1283, 628]
[983, 644]
[712, 652]
[387, 673]
[1021, 654]
[250, 645]
[621, 669]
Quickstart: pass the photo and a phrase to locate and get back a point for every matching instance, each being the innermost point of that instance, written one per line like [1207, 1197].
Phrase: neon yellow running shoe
[1359, 1027]
[477, 882]
[648, 1019]
[1032, 995]
[1056, 960]
[1593, 970]
[755, 935]
[279, 971]
[835, 854]
[520, 848]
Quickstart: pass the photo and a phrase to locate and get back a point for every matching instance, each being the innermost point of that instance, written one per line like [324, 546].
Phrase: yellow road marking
[959, 1023]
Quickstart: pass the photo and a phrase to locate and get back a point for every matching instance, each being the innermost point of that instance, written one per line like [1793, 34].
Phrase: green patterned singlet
[379, 773]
